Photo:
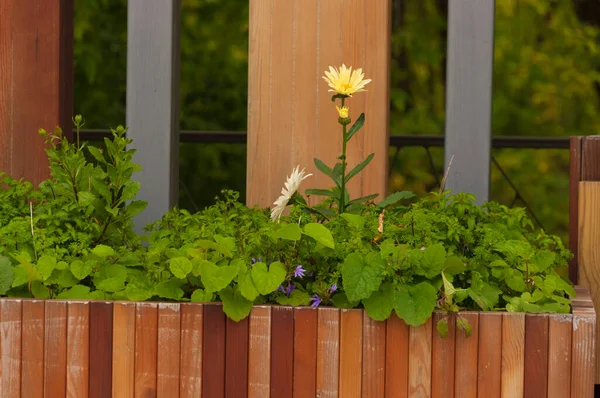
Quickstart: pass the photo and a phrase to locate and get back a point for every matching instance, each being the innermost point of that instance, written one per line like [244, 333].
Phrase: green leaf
[80, 270]
[498, 263]
[267, 281]
[354, 220]
[487, 297]
[464, 325]
[215, 278]
[415, 304]
[95, 152]
[544, 259]
[169, 289]
[355, 127]
[454, 265]
[297, 297]
[139, 289]
[516, 281]
[362, 275]
[362, 199]
[323, 168]
[340, 300]
[136, 207]
[103, 251]
[45, 265]
[111, 278]
[39, 291]
[76, 292]
[395, 198]
[20, 276]
[434, 259]
[357, 169]
[325, 212]
[226, 245]
[86, 198]
[380, 303]
[180, 267]
[442, 327]
[234, 304]
[246, 286]
[320, 192]
[289, 232]
[7, 275]
[320, 233]
[62, 278]
[202, 296]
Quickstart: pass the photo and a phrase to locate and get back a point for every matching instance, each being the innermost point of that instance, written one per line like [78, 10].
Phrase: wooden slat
[78, 348]
[536, 355]
[10, 348]
[396, 358]
[32, 361]
[419, 363]
[374, 353]
[169, 336]
[513, 355]
[146, 350]
[123, 350]
[191, 350]
[259, 353]
[328, 353]
[101, 349]
[442, 362]
[305, 352]
[574, 178]
[55, 349]
[489, 373]
[213, 351]
[282, 351]
[236, 359]
[559, 351]
[465, 382]
[583, 360]
[351, 342]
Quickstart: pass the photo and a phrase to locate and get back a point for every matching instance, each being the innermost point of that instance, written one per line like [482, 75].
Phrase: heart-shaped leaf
[267, 281]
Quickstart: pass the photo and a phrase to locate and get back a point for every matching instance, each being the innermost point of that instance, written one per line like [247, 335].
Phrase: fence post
[36, 81]
[291, 118]
[153, 101]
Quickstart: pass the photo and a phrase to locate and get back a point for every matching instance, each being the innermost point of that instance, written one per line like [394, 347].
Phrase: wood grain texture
[419, 363]
[489, 373]
[574, 179]
[442, 362]
[259, 353]
[78, 349]
[396, 357]
[55, 349]
[191, 350]
[513, 355]
[236, 359]
[10, 348]
[328, 353]
[583, 360]
[351, 342]
[590, 149]
[282, 351]
[465, 380]
[305, 352]
[32, 356]
[146, 349]
[536, 355]
[169, 336]
[213, 351]
[374, 353]
[123, 350]
[559, 355]
[101, 349]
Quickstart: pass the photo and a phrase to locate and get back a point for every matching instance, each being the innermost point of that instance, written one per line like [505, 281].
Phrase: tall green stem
[343, 159]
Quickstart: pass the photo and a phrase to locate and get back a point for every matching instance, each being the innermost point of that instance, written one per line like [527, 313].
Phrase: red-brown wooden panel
[305, 352]
[574, 178]
[583, 361]
[191, 350]
[10, 348]
[55, 347]
[328, 352]
[396, 358]
[465, 364]
[373, 375]
[236, 359]
[351, 341]
[32, 357]
[442, 362]
[536, 355]
[559, 352]
[146, 350]
[489, 375]
[123, 350]
[169, 335]
[419, 363]
[213, 351]
[78, 349]
[513, 355]
[101, 348]
[259, 353]
[282, 351]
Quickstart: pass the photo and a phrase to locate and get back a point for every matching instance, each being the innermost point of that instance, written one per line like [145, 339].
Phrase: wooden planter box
[101, 349]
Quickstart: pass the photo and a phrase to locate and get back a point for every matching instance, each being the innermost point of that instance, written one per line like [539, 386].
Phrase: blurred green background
[546, 84]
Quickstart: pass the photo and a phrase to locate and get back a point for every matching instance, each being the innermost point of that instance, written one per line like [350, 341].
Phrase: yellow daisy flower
[345, 81]
[344, 111]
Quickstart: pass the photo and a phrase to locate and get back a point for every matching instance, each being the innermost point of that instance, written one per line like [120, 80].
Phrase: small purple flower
[286, 290]
[315, 301]
[254, 261]
[332, 289]
[299, 272]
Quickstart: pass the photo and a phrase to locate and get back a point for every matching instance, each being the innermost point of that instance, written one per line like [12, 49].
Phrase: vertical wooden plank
[78, 349]
[583, 360]
[328, 353]
[236, 359]
[419, 363]
[465, 381]
[305, 352]
[10, 347]
[192, 326]
[101, 348]
[513, 355]
[396, 358]
[169, 335]
[374, 349]
[282, 351]
[442, 362]
[559, 352]
[574, 178]
[536, 355]
[351, 342]
[489, 372]
[32, 360]
[259, 353]
[123, 350]
[146, 350]
[213, 351]
[55, 349]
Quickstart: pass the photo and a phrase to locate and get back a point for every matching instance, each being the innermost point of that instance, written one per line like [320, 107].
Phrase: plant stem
[343, 158]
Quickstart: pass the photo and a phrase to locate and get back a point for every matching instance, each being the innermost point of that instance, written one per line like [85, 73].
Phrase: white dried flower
[291, 186]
